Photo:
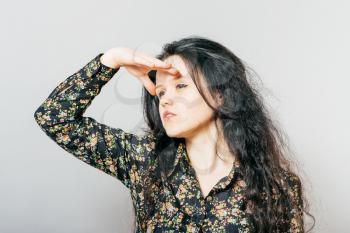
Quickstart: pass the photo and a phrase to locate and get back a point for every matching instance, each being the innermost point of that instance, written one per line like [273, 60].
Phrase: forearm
[70, 98]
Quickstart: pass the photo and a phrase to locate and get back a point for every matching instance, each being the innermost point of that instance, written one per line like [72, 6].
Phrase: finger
[153, 59]
[173, 71]
[158, 63]
[149, 85]
[143, 61]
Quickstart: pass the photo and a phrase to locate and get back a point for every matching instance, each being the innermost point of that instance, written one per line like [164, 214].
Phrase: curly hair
[248, 129]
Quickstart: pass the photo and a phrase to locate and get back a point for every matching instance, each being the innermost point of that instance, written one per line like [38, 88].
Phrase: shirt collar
[182, 156]
[184, 185]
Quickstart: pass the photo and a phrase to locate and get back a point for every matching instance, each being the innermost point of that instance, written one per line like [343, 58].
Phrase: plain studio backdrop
[299, 49]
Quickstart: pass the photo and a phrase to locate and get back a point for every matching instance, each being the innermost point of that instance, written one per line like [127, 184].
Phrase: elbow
[37, 115]
[41, 117]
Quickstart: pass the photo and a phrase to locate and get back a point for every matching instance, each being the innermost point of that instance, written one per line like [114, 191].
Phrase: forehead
[176, 60]
[178, 63]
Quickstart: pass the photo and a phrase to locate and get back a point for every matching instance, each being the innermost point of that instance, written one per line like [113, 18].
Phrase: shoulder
[292, 179]
[141, 143]
[295, 193]
[294, 186]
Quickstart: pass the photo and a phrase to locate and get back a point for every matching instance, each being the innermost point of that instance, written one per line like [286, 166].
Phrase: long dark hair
[259, 146]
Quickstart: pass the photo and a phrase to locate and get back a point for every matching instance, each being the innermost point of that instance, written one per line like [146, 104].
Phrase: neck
[201, 149]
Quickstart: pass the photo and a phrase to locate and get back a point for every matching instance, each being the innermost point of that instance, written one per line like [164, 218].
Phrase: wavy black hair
[258, 144]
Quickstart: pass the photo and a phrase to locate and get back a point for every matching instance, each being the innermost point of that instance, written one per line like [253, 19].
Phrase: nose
[167, 98]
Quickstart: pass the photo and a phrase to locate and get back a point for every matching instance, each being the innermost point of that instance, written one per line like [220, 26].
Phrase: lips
[168, 114]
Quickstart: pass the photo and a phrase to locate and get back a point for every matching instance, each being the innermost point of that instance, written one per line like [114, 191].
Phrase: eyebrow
[160, 85]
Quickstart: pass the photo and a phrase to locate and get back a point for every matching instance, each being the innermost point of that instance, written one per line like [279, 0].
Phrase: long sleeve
[108, 149]
[297, 222]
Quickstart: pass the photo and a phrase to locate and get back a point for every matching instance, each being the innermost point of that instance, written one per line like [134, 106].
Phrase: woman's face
[180, 96]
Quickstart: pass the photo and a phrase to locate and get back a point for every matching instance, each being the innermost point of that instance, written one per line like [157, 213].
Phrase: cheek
[195, 112]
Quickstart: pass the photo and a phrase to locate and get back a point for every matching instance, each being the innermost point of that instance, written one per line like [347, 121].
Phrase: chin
[178, 133]
[173, 133]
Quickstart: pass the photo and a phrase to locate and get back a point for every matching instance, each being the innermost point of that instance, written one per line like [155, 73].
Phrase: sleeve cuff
[100, 71]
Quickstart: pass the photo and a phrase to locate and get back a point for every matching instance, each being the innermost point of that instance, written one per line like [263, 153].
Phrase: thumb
[149, 85]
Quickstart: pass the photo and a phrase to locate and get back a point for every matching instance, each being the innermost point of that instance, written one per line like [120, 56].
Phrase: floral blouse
[180, 205]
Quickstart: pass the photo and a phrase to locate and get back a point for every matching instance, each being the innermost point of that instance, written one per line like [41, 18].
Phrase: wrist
[108, 60]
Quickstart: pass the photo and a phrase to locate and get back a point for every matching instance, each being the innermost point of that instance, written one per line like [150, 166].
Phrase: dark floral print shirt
[180, 206]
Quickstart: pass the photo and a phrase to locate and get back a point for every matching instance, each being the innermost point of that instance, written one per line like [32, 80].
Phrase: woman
[211, 161]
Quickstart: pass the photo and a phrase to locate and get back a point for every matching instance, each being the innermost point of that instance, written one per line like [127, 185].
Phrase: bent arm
[60, 116]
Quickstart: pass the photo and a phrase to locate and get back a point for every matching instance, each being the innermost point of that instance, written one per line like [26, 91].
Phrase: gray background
[300, 50]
